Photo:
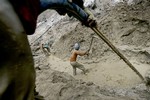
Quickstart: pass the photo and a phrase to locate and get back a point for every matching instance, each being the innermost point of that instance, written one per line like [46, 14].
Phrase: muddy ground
[125, 24]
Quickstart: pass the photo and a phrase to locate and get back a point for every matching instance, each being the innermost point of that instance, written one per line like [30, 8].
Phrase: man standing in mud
[17, 20]
[45, 48]
[73, 58]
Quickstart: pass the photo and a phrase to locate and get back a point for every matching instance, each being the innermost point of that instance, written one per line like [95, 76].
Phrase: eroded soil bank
[125, 24]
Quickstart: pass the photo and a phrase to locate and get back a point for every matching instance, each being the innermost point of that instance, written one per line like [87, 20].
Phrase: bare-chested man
[73, 58]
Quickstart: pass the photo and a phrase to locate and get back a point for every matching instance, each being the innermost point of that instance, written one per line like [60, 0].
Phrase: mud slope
[125, 24]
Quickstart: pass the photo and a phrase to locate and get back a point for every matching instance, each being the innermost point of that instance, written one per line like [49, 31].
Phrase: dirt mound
[61, 86]
[126, 26]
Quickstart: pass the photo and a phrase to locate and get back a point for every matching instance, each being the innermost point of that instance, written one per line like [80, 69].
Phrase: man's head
[76, 46]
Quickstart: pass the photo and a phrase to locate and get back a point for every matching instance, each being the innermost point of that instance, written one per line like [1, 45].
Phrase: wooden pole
[116, 51]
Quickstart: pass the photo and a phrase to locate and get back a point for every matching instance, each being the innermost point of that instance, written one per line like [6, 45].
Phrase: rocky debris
[147, 78]
[61, 86]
